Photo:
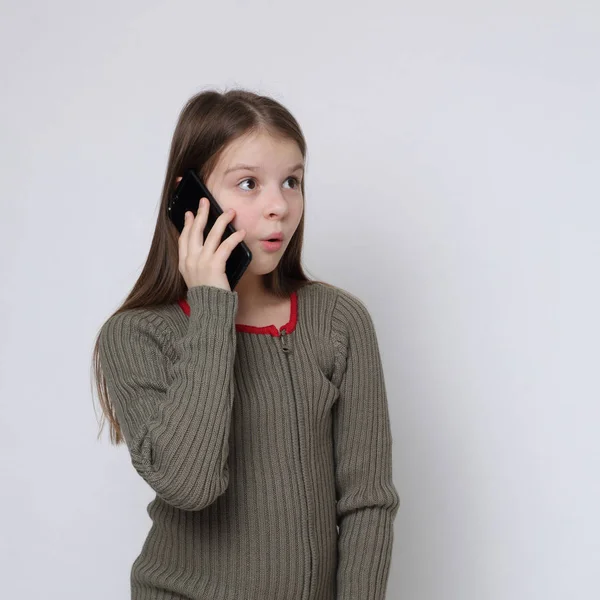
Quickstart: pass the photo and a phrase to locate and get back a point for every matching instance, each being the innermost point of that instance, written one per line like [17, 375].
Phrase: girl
[258, 416]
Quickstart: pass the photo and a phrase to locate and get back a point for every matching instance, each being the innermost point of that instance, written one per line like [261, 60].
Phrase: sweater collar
[267, 329]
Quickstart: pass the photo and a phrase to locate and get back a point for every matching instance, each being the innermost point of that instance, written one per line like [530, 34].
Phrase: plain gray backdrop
[452, 184]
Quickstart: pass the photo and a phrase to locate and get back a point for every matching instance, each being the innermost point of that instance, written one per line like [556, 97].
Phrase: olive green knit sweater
[259, 443]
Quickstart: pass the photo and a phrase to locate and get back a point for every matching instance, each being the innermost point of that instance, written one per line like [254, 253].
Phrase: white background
[452, 184]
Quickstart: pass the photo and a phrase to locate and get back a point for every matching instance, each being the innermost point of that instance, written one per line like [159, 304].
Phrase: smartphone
[186, 197]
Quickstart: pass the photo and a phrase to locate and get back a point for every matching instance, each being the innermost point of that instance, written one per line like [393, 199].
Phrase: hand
[202, 262]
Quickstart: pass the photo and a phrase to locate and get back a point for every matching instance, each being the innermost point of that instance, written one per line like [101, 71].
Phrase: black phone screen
[186, 197]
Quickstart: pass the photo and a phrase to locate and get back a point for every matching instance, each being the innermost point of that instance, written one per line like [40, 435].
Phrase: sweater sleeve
[367, 500]
[176, 428]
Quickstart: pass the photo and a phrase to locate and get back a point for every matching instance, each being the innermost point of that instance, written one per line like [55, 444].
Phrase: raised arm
[176, 428]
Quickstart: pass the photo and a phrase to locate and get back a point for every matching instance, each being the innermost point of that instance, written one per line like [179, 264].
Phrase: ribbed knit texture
[257, 445]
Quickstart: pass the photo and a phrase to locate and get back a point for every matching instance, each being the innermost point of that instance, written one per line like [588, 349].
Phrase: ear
[178, 180]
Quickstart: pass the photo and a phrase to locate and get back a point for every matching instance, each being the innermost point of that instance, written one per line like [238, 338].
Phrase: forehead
[260, 149]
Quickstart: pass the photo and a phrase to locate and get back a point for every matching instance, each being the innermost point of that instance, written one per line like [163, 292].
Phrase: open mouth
[272, 244]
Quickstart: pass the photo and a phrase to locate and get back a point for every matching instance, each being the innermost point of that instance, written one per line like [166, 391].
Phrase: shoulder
[341, 298]
[133, 328]
[351, 310]
[348, 313]
[351, 330]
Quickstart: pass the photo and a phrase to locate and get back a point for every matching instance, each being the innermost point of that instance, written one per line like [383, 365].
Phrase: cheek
[244, 219]
[227, 201]
[299, 211]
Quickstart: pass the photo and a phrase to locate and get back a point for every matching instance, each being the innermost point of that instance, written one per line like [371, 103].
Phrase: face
[265, 192]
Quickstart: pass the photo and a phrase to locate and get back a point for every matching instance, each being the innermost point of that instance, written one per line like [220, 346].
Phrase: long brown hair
[208, 122]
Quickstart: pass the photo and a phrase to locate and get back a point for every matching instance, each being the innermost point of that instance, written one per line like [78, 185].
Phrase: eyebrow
[251, 168]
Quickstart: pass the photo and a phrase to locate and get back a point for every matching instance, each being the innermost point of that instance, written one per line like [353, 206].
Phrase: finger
[226, 248]
[215, 235]
[196, 240]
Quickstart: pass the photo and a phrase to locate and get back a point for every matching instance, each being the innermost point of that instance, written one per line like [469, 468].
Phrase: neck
[251, 291]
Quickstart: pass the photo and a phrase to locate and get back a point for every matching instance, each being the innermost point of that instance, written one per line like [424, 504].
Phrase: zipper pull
[284, 341]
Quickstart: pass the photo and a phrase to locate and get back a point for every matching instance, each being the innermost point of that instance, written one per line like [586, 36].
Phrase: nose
[276, 203]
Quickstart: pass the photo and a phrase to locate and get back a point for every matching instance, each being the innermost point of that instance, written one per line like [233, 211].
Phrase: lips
[268, 246]
[277, 236]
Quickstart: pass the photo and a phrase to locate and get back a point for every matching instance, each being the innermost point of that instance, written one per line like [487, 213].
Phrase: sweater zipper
[287, 349]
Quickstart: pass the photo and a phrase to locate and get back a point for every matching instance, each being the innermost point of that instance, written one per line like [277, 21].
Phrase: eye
[248, 179]
[296, 180]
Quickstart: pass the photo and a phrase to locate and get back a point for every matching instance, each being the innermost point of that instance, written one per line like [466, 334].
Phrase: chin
[263, 271]
[265, 266]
